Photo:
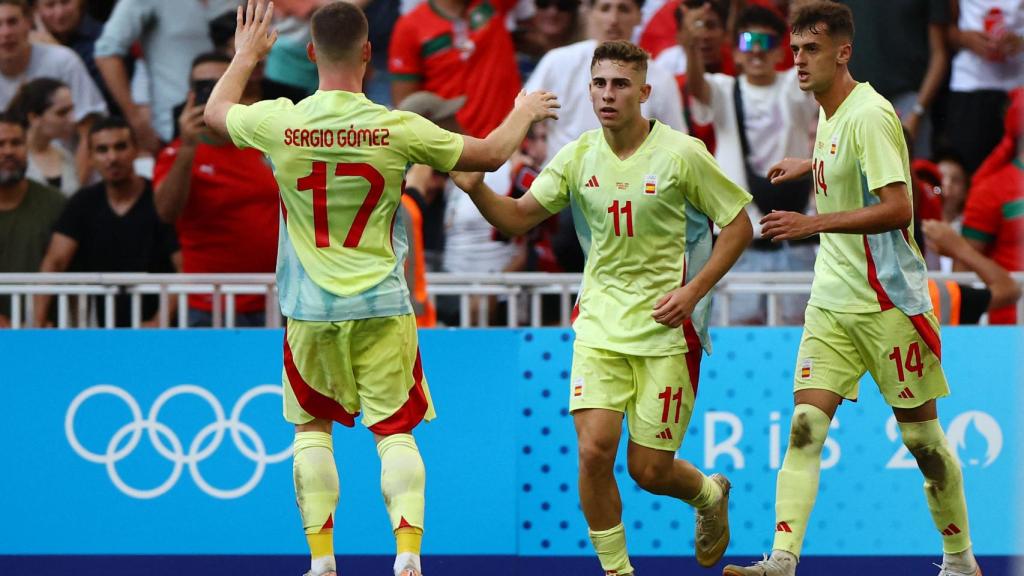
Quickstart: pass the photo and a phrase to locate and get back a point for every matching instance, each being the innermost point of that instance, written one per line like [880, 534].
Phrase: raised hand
[540, 104]
[693, 23]
[253, 35]
[789, 169]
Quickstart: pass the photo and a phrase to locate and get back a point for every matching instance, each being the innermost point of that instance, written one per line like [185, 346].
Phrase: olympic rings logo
[167, 443]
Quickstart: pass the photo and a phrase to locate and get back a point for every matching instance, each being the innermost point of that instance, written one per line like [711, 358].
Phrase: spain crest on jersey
[651, 184]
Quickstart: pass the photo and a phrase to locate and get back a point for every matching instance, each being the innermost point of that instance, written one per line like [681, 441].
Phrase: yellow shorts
[335, 370]
[903, 355]
[656, 393]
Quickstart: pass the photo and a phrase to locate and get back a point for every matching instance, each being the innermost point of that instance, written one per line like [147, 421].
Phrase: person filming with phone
[222, 200]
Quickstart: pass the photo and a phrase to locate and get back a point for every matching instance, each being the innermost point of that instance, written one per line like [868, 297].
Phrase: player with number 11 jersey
[643, 196]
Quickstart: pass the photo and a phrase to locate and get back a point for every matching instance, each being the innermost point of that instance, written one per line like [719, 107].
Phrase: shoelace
[946, 571]
[701, 519]
[766, 562]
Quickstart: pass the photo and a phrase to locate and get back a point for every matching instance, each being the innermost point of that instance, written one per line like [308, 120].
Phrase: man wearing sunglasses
[759, 116]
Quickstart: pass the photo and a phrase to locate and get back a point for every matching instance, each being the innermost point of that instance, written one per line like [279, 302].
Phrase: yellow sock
[316, 492]
[321, 544]
[797, 485]
[611, 550]
[709, 495]
[943, 482]
[409, 540]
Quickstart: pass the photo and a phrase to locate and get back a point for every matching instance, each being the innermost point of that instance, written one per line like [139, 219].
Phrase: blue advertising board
[156, 444]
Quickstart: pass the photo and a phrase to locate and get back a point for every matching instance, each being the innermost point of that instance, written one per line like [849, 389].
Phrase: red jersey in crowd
[474, 57]
[229, 224]
[994, 215]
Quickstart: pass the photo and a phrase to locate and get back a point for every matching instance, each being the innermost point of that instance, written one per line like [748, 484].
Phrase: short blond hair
[621, 51]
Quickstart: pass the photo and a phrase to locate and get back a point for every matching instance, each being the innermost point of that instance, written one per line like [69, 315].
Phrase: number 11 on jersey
[627, 211]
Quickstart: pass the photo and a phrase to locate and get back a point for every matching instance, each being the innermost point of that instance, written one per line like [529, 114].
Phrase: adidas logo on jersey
[783, 527]
[666, 434]
[592, 183]
[906, 394]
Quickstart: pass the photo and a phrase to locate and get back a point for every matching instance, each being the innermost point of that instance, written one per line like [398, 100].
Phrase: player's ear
[311, 52]
[845, 52]
[367, 52]
[645, 93]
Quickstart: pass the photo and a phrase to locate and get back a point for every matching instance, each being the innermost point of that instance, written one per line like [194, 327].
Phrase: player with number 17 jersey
[340, 160]
[350, 345]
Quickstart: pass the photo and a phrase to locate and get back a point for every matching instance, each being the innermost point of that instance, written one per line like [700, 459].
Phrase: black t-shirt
[137, 241]
[890, 49]
[973, 303]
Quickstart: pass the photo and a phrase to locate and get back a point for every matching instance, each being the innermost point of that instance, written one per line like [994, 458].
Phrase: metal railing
[523, 292]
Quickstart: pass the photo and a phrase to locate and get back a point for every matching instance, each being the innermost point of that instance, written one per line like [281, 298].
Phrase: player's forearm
[172, 193]
[870, 220]
[504, 140]
[732, 241]
[228, 92]
[501, 211]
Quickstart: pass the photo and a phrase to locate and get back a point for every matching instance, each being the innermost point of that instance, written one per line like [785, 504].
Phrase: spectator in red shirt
[994, 213]
[458, 48]
[223, 200]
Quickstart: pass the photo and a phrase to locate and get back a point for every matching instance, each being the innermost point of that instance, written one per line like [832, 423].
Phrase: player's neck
[625, 140]
[831, 99]
[347, 79]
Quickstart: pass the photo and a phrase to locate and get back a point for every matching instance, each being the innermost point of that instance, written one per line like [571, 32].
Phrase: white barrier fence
[77, 295]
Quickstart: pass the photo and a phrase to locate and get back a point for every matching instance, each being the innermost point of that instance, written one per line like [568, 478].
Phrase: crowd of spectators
[105, 164]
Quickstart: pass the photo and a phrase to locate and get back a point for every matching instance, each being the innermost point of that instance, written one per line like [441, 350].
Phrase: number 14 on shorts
[910, 363]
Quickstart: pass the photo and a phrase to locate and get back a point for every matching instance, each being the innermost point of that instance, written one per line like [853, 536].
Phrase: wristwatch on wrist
[918, 109]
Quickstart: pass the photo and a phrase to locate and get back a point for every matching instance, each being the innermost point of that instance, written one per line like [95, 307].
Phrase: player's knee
[597, 456]
[650, 474]
[809, 429]
[927, 444]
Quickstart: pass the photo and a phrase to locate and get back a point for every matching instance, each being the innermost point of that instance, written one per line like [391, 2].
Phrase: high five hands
[253, 35]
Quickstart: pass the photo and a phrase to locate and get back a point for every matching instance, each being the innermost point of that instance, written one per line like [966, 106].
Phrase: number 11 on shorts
[668, 397]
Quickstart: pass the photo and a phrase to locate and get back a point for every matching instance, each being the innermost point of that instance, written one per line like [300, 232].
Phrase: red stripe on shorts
[694, 353]
[411, 413]
[928, 334]
[314, 403]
